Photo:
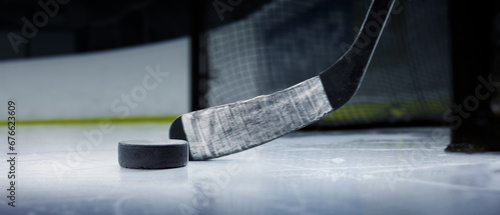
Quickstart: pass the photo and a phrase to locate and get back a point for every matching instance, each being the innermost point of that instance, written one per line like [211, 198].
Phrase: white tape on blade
[234, 127]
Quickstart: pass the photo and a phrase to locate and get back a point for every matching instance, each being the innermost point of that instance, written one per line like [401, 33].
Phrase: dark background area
[77, 26]
[88, 25]
[475, 33]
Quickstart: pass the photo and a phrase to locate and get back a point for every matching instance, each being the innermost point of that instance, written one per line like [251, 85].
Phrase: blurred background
[76, 26]
[83, 60]
[148, 60]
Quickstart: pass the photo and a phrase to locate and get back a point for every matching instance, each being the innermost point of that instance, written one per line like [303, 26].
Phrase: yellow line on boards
[146, 119]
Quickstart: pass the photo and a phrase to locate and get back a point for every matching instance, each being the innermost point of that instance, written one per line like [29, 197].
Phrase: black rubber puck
[152, 154]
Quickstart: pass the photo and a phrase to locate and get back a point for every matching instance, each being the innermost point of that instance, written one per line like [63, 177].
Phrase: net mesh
[265, 46]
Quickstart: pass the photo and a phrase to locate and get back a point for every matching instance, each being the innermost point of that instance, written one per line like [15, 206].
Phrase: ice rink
[73, 169]
[133, 69]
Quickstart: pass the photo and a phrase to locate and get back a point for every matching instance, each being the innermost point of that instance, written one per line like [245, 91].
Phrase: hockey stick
[234, 127]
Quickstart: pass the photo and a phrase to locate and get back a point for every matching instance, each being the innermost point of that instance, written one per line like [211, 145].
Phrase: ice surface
[371, 171]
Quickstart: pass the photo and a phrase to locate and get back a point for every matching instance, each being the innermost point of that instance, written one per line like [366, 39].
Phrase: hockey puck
[152, 154]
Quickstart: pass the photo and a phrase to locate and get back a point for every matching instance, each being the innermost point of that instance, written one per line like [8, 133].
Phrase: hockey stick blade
[234, 127]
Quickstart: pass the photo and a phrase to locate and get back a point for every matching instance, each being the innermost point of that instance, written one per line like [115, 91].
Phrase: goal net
[244, 48]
